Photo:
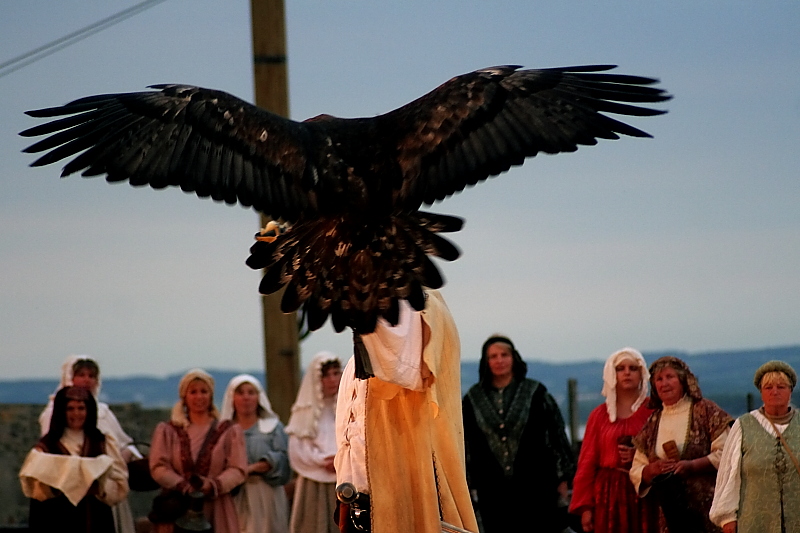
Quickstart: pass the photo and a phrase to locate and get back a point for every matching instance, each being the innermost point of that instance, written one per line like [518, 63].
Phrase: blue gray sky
[688, 241]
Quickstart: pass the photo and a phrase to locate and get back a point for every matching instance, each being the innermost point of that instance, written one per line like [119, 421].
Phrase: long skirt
[313, 507]
[123, 517]
[261, 508]
[617, 507]
[58, 515]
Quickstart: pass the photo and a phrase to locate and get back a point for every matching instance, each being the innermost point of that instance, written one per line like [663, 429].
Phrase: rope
[16, 63]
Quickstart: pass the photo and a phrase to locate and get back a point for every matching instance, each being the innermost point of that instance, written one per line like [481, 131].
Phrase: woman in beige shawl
[75, 473]
[83, 371]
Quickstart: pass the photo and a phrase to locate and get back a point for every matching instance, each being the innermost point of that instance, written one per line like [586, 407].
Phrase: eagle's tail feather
[355, 272]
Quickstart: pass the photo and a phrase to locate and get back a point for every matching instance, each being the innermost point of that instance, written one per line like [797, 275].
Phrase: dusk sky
[687, 241]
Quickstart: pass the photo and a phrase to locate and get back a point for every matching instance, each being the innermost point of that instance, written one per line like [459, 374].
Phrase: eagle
[349, 191]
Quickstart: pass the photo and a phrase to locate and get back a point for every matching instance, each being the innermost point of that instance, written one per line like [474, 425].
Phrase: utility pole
[281, 348]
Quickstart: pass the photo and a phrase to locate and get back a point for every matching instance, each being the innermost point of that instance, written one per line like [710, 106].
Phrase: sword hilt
[346, 492]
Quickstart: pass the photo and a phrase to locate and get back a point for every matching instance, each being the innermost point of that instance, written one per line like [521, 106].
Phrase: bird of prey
[348, 189]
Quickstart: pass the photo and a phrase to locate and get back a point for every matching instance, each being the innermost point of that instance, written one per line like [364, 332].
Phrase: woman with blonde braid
[196, 452]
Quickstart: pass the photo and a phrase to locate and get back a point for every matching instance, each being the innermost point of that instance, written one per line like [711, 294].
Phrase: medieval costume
[758, 485]
[399, 434]
[312, 442]
[106, 423]
[73, 476]
[601, 481]
[699, 428]
[182, 451]
[261, 502]
[517, 451]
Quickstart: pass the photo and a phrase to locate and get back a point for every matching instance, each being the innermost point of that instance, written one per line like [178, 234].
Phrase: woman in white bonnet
[603, 495]
[86, 372]
[261, 502]
[83, 371]
[312, 446]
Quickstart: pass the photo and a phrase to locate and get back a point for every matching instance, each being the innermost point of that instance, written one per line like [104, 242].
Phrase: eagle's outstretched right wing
[201, 140]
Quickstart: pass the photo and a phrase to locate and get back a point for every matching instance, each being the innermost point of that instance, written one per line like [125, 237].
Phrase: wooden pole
[281, 349]
[572, 402]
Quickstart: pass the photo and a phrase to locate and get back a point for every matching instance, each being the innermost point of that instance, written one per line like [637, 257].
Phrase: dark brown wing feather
[482, 123]
[203, 141]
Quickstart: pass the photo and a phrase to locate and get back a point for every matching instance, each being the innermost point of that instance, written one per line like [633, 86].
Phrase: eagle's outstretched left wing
[478, 125]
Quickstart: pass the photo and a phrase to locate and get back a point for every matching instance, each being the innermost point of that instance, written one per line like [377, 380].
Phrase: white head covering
[610, 380]
[67, 373]
[268, 421]
[106, 421]
[308, 404]
[179, 415]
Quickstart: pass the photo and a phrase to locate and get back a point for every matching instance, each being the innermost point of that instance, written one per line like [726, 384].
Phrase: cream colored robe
[409, 433]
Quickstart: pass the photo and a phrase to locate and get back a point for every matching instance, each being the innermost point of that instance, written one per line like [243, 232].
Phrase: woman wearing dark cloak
[518, 457]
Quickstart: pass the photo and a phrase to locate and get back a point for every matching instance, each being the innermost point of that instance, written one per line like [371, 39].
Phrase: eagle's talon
[270, 232]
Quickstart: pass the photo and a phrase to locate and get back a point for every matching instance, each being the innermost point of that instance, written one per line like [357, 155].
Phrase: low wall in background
[19, 432]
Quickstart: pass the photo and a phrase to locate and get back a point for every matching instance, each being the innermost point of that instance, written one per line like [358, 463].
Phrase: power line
[41, 52]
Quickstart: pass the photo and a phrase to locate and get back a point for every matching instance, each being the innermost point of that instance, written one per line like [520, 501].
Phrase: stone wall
[19, 431]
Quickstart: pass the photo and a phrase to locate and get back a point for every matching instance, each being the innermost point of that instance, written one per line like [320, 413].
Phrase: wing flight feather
[203, 141]
[480, 124]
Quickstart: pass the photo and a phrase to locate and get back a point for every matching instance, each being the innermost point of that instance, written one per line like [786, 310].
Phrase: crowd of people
[655, 457]
[235, 461]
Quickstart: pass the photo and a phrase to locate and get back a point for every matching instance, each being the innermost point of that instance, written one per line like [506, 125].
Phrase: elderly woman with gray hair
[758, 486]
[679, 448]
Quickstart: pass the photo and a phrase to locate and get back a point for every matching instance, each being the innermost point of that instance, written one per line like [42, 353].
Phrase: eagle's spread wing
[480, 124]
[352, 187]
[200, 140]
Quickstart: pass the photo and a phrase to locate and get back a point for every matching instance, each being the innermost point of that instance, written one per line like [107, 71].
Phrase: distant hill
[725, 377]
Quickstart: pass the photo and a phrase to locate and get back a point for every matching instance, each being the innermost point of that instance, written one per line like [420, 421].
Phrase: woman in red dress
[603, 495]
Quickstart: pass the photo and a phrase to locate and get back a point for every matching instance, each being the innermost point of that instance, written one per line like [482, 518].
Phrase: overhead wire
[16, 63]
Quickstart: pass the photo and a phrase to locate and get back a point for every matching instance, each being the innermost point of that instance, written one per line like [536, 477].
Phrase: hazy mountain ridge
[725, 376]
